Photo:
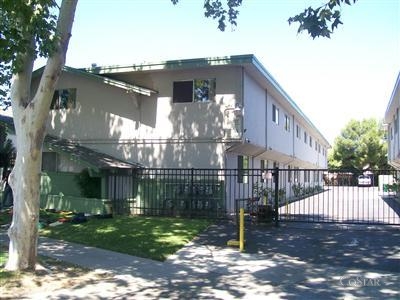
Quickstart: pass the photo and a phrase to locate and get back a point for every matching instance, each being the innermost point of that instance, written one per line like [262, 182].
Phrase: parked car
[364, 180]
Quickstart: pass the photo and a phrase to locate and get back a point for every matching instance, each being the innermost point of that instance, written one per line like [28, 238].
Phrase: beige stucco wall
[156, 132]
[150, 130]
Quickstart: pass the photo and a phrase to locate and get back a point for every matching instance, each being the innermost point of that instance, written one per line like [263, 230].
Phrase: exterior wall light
[237, 110]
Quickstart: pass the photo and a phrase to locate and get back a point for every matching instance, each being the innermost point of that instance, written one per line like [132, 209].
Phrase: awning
[87, 156]
[81, 154]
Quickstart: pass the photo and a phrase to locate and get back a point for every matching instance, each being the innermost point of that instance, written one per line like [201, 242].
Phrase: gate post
[276, 196]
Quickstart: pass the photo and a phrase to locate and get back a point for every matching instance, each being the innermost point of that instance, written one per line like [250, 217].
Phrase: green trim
[116, 83]
[175, 64]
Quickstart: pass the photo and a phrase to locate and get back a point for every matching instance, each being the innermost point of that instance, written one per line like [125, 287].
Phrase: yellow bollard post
[241, 230]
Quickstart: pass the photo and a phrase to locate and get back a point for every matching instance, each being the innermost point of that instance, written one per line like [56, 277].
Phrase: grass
[4, 275]
[149, 237]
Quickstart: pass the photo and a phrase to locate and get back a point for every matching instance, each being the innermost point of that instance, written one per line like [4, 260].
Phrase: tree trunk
[25, 182]
[30, 118]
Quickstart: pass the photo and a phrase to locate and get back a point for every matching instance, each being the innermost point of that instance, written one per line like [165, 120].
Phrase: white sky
[351, 75]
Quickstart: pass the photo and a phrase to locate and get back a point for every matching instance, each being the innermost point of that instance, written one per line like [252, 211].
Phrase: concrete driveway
[305, 261]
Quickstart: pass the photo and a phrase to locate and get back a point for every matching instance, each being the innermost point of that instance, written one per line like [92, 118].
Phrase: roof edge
[396, 89]
[280, 89]
[173, 64]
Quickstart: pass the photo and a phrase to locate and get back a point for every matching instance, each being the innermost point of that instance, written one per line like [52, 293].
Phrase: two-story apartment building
[392, 122]
[218, 113]
[200, 113]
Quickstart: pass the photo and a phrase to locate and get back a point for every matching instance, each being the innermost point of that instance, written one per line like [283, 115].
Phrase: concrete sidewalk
[207, 269]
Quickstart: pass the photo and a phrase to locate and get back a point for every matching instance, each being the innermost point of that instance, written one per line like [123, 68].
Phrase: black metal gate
[356, 197]
[269, 195]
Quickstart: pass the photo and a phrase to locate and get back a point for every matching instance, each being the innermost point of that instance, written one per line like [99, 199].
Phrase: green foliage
[26, 27]
[29, 27]
[267, 194]
[299, 190]
[5, 216]
[90, 186]
[320, 21]
[361, 144]
[149, 237]
[223, 13]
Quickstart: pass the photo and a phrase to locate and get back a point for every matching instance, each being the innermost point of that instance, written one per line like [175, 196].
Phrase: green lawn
[150, 237]
[4, 275]
[3, 255]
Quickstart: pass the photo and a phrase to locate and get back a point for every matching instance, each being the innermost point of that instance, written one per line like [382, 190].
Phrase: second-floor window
[298, 131]
[275, 114]
[64, 99]
[287, 123]
[197, 90]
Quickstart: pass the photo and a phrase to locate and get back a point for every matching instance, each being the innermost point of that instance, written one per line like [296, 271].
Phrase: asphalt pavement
[293, 261]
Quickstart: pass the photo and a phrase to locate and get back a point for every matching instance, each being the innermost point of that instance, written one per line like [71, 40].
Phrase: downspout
[266, 119]
[294, 140]
[243, 105]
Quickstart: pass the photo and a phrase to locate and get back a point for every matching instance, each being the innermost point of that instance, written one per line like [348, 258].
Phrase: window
[263, 167]
[49, 161]
[197, 90]
[310, 141]
[263, 164]
[306, 175]
[305, 137]
[243, 168]
[287, 123]
[296, 174]
[298, 131]
[316, 176]
[275, 114]
[64, 99]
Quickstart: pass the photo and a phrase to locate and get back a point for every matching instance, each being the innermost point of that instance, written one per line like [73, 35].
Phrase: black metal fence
[267, 195]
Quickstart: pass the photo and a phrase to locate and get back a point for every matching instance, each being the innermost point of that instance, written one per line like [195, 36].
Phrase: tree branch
[42, 99]
[21, 81]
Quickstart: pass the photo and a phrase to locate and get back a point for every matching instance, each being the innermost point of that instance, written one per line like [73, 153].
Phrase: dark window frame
[194, 90]
[64, 99]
